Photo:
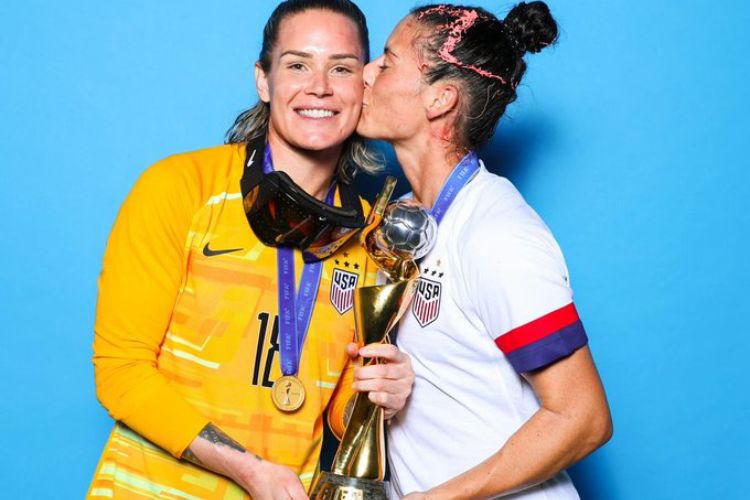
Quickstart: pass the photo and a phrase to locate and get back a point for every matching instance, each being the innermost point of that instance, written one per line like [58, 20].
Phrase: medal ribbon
[293, 327]
[460, 176]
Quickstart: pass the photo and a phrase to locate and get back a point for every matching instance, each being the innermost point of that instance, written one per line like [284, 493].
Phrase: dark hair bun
[530, 27]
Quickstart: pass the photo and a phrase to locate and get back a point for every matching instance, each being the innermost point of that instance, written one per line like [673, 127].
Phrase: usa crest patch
[342, 290]
[426, 303]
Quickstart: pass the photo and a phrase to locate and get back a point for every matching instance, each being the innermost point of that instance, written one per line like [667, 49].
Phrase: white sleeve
[518, 282]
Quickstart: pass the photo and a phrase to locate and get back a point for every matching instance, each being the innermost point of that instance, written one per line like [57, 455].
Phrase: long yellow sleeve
[141, 276]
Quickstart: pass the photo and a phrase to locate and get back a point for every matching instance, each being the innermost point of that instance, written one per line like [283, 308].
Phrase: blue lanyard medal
[459, 177]
[295, 311]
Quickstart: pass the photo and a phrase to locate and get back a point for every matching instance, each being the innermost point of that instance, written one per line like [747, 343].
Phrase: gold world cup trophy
[394, 237]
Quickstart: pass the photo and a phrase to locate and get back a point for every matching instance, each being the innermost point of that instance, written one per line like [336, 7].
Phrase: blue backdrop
[628, 137]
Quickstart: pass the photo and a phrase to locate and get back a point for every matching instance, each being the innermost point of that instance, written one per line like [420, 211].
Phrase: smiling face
[394, 100]
[314, 83]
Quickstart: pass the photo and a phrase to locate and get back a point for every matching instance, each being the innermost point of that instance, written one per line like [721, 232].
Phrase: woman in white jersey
[506, 394]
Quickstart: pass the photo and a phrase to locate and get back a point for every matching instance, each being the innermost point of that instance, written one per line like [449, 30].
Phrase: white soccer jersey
[493, 301]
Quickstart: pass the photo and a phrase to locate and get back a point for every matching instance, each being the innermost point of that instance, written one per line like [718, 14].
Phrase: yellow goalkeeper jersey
[186, 333]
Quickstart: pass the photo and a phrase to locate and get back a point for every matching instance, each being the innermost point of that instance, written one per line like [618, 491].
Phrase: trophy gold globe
[394, 237]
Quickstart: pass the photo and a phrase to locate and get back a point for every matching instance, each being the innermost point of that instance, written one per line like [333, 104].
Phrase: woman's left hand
[415, 496]
[389, 382]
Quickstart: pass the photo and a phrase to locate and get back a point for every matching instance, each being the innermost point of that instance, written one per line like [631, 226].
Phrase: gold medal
[288, 393]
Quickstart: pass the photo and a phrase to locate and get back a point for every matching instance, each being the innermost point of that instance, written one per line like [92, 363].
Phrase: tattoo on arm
[189, 456]
[214, 435]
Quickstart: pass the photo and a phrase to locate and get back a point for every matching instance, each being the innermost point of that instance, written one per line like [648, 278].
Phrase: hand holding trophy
[394, 237]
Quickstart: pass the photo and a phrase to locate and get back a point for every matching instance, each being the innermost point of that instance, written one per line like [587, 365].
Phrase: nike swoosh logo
[213, 253]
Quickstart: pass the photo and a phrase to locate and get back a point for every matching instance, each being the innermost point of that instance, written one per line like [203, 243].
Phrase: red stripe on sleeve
[537, 329]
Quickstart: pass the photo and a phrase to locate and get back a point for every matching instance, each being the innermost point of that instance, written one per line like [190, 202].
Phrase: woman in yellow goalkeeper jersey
[213, 355]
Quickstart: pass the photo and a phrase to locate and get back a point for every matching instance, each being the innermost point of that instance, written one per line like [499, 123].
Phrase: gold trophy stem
[361, 453]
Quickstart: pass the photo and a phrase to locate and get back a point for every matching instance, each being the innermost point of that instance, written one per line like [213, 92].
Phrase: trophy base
[330, 486]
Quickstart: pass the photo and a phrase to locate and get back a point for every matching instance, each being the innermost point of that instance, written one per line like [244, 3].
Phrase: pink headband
[464, 19]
